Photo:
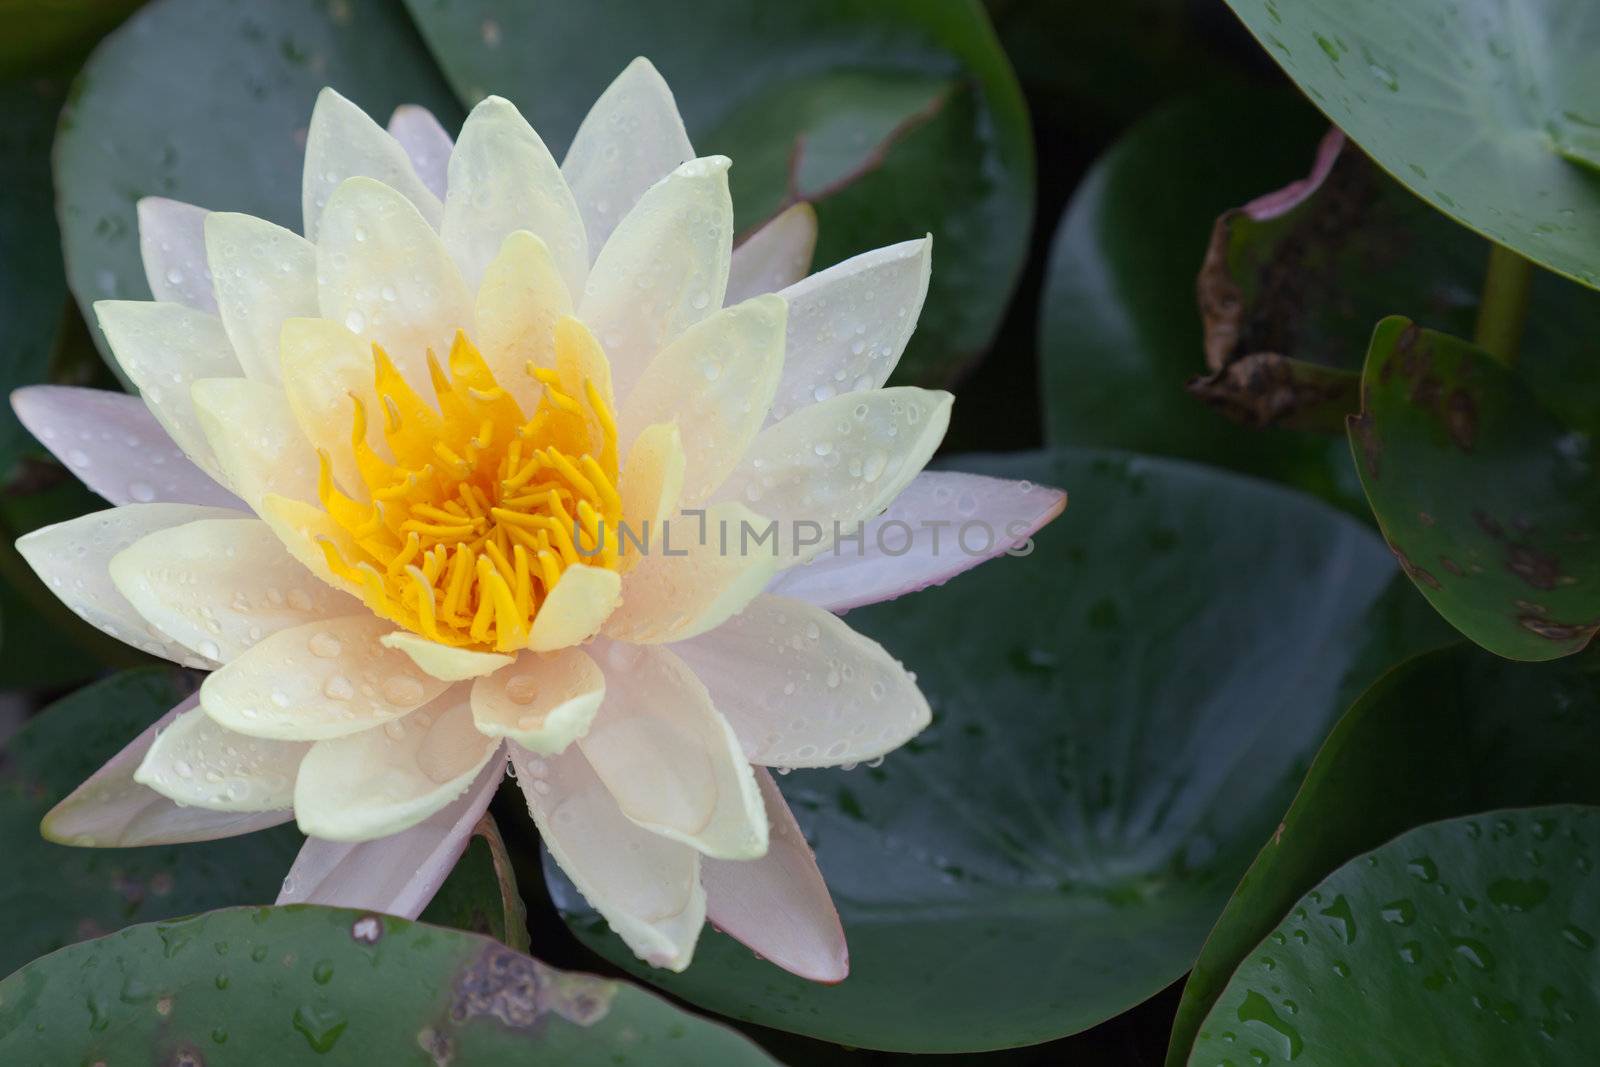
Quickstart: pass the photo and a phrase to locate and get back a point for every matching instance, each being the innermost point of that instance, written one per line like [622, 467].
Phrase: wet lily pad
[1470, 940]
[332, 986]
[1487, 498]
[1054, 848]
[1449, 733]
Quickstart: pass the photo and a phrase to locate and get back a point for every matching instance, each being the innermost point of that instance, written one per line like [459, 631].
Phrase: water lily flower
[378, 483]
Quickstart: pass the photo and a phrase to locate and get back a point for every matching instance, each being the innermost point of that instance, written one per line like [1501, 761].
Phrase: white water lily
[378, 483]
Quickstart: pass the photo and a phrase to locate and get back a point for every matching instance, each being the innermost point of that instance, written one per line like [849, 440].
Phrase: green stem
[1504, 307]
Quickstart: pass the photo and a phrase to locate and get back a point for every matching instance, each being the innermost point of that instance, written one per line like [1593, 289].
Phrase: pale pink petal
[111, 810]
[172, 244]
[115, 446]
[778, 905]
[426, 143]
[1280, 201]
[397, 874]
[941, 524]
[775, 256]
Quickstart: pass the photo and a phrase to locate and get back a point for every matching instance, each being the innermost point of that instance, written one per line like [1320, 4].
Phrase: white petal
[544, 703]
[582, 600]
[324, 679]
[716, 382]
[173, 247]
[264, 275]
[940, 525]
[195, 761]
[645, 886]
[651, 483]
[670, 760]
[442, 661]
[835, 464]
[163, 348]
[112, 442]
[426, 144]
[259, 448]
[802, 689]
[521, 299]
[631, 139]
[503, 179]
[384, 780]
[849, 324]
[398, 874]
[111, 810]
[778, 906]
[218, 586]
[683, 585]
[384, 275]
[74, 558]
[775, 256]
[324, 364]
[342, 143]
[663, 270]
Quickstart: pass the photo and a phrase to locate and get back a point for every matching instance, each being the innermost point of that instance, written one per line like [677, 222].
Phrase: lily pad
[1108, 751]
[1449, 733]
[898, 118]
[332, 986]
[1486, 498]
[1120, 336]
[1470, 940]
[207, 101]
[1487, 110]
[57, 895]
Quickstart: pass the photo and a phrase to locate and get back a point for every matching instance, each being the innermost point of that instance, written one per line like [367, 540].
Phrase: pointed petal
[663, 270]
[218, 586]
[940, 525]
[111, 810]
[802, 689]
[775, 256]
[163, 348]
[503, 179]
[342, 143]
[670, 760]
[442, 661]
[325, 679]
[195, 761]
[173, 247]
[778, 906]
[631, 139]
[646, 887]
[716, 381]
[385, 275]
[74, 558]
[521, 299]
[324, 365]
[651, 482]
[426, 144]
[264, 275]
[544, 703]
[381, 781]
[849, 324]
[113, 443]
[398, 874]
[678, 590]
[258, 445]
[582, 600]
[833, 465]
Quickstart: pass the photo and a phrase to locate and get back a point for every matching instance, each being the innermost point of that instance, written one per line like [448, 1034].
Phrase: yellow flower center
[467, 531]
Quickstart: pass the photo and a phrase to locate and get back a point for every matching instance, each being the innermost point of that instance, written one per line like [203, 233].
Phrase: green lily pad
[1470, 940]
[1487, 499]
[1489, 111]
[331, 986]
[207, 101]
[57, 895]
[1108, 751]
[1495, 734]
[898, 118]
[1120, 335]
[40, 32]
